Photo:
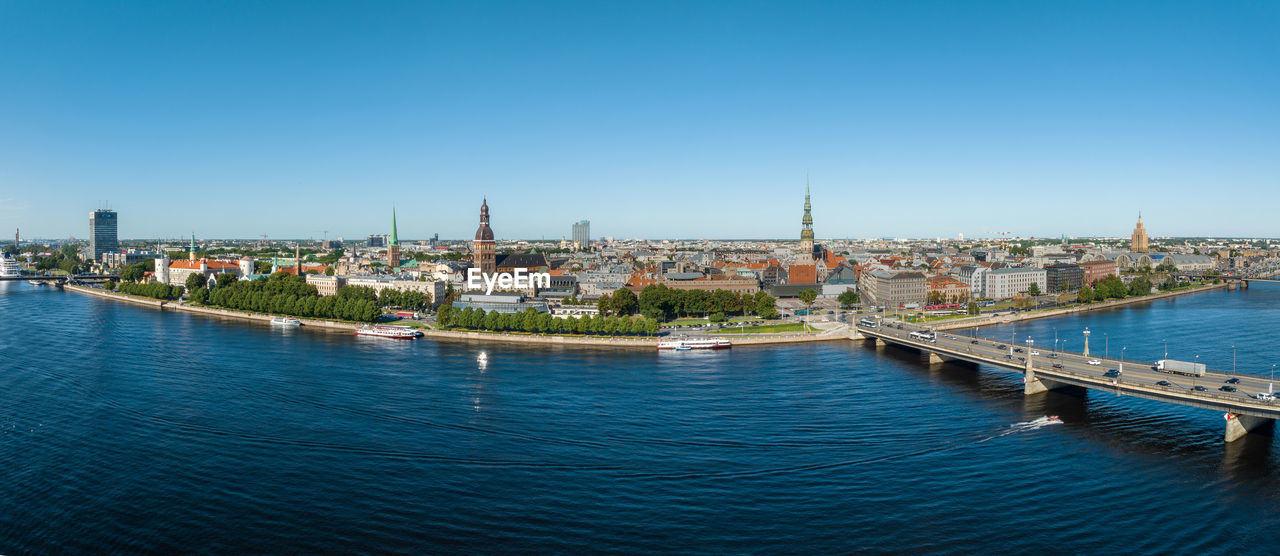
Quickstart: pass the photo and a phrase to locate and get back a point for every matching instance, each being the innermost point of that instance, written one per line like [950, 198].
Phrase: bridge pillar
[880, 342]
[1244, 284]
[1240, 425]
[935, 358]
[1231, 286]
[1035, 385]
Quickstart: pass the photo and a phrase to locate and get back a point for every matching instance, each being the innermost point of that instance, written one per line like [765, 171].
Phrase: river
[127, 429]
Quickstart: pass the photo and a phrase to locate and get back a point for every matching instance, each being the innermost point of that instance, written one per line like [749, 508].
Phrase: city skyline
[666, 121]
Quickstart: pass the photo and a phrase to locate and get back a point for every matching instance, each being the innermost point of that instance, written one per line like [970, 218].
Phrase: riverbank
[449, 335]
[1018, 317]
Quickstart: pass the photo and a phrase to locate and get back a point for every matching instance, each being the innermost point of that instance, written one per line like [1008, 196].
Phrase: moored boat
[686, 345]
[389, 331]
[9, 267]
[285, 321]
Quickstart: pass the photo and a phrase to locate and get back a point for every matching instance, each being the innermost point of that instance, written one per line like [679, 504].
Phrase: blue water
[126, 429]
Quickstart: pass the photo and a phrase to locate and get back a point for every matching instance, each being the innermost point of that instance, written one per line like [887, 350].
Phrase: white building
[1003, 283]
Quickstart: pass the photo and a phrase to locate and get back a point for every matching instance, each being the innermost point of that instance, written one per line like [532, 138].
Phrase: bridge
[1052, 370]
[59, 279]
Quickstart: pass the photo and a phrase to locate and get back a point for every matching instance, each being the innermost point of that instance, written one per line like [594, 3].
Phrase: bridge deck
[1136, 379]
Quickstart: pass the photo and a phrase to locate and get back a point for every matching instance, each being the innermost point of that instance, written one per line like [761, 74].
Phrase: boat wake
[1026, 426]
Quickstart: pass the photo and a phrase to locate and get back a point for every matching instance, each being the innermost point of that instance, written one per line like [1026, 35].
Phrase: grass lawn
[769, 329]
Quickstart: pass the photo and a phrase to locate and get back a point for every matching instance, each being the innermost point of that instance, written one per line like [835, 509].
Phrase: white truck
[1179, 367]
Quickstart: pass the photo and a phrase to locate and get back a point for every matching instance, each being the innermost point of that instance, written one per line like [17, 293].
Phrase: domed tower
[484, 253]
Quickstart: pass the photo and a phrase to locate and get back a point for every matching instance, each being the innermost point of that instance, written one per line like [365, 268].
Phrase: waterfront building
[566, 311]
[102, 233]
[1003, 283]
[500, 302]
[326, 285]
[1098, 270]
[393, 246]
[1138, 241]
[484, 249]
[950, 289]
[582, 234]
[1064, 277]
[434, 290]
[972, 275]
[126, 257]
[806, 231]
[737, 284]
[178, 271]
[1190, 263]
[893, 288]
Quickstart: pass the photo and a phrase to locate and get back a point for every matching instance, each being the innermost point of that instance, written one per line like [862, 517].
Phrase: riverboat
[285, 321]
[685, 345]
[9, 267]
[389, 331]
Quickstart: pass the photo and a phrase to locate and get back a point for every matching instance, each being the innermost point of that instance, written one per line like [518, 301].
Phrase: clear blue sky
[652, 119]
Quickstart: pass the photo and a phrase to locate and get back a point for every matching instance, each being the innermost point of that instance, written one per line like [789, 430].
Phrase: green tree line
[283, 293]
[530, 320]
[156, 291]
[1112, 287]
[661, 303]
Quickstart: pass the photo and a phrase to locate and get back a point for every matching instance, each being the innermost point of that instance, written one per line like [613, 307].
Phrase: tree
[624, 302]
[848, 298]
[604, 304]
[1140, 286]
[717, 317]
[110, 285]
[1034, 290]
[196, 280]
[973, 308]
[226, 279]
[807, 296]
[1085, 295]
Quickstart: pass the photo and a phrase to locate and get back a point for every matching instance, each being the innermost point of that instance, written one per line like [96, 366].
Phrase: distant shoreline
[450, 335]
[1017, 317]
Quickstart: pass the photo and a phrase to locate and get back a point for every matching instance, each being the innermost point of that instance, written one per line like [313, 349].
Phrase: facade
[737, 284]
[177, 272]
[972, 275]
[566, 311]
[806, 231]
[1003, 283]
[484, 250]
[433, 290]
[376, 240]
[500, 302]
[326, 285]
[1064, 277]
[123, 258]
[1190, 263]
[893, 288]
[802, 274]
[951, 289]
[102, 233]
[582, 234]
[1098, 270]
[1138, 241]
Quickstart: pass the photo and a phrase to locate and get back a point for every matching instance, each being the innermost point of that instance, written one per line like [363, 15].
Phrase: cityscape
[670, 278]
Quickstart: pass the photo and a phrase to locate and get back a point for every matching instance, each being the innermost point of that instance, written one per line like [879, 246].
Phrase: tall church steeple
[393, 245]
[484, 251]
[806, 232]
[191, 251]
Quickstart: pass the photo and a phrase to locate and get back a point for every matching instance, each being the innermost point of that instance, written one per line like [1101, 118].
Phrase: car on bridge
[1094, 362]
[1227, 388]
[1199, 388]
[1035, 353]
[1057, 365]
[1001, 346]
[1111, 373]
[1164, 383]
[1231, 381]
[974, 342]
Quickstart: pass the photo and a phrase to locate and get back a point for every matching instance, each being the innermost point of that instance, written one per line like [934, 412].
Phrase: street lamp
[1233, 360]
[1086, 342]
[1166, 348]
[1122, 358]
[1106, 346]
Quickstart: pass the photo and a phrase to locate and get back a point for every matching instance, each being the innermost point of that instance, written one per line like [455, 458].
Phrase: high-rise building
[393, 245]
[376, 240]
[102, 233]
[806, 233]
[1138, 243]
[582, 234]
[484, 253]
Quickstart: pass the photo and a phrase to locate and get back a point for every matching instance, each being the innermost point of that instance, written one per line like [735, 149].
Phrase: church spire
[394, 239]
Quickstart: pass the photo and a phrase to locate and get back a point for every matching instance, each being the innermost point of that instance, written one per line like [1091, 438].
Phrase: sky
[653, 119]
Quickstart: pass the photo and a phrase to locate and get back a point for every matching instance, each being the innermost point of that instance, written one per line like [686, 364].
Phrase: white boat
[685, 345]
[9, 267]
[389, 331]
[285, 321]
